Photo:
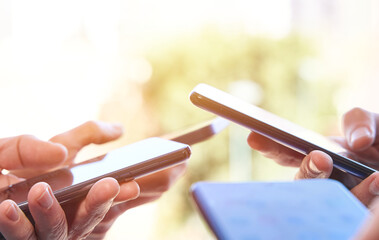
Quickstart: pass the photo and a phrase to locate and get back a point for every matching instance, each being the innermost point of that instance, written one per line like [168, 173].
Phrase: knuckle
[26, 137]
[92, 125]
[92, 129]
[30, 235]
[59, 229]
[23, 147]
[25, 232]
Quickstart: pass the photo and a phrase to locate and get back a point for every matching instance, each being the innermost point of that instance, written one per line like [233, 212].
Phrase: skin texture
[26, 156]
[360, 138]
[370, 230]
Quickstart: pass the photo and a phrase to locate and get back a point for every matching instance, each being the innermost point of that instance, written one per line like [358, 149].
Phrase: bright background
[135, 62]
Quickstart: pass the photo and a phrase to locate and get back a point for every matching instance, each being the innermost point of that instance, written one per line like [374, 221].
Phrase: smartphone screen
[298, 210]
[274, 127]
[123, 164]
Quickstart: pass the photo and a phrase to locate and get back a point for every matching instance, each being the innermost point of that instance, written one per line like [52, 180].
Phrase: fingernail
[374, 187]
[313, 167]
[45, 200]
[12, 212]
[358, 134]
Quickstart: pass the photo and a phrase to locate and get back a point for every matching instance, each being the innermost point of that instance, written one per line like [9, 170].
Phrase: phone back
[306, 209]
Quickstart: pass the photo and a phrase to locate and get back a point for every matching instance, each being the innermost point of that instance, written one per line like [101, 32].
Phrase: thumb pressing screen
[306, 209]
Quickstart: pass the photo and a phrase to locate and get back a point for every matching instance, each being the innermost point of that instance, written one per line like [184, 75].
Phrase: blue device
[304, 210]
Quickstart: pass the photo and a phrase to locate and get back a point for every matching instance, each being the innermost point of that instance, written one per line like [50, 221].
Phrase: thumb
[359, 128]
[316, 164]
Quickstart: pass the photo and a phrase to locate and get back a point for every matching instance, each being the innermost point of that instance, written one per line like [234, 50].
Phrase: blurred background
[135, 62]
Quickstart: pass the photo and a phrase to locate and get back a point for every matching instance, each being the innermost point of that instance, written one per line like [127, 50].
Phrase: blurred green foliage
[219, 59]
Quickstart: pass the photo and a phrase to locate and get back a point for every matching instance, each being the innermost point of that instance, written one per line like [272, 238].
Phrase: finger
[7, 192]
[369, 156]
[29, 152]
[340, 140]
[49, 217]
[9, 179]
[368, 189]
[114, 212]
[93, 209]
[128, 191]
[273, 150]
[161, 181]
[369, 229]
[101, 230]
[90, 132]
[13, 222]
[316, 164]
[57, 179]
[141, 200]
[359, 128]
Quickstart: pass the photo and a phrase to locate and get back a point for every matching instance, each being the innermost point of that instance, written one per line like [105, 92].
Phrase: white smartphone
[272, 126]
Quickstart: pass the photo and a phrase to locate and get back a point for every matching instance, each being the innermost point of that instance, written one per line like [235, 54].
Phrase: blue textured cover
[305, 209]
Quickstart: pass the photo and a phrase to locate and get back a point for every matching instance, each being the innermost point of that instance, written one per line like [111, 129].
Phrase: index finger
[271, 149]
[27, 151]
[89, 132]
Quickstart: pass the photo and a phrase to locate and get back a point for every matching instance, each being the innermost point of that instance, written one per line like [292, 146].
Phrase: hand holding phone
[124, 164]
[278, 129]
[32, 156]
[71, 183]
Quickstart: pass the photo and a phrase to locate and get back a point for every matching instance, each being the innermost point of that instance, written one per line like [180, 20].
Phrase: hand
[360, 139]
[369, 229]
[151, 188]
[26, 154]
